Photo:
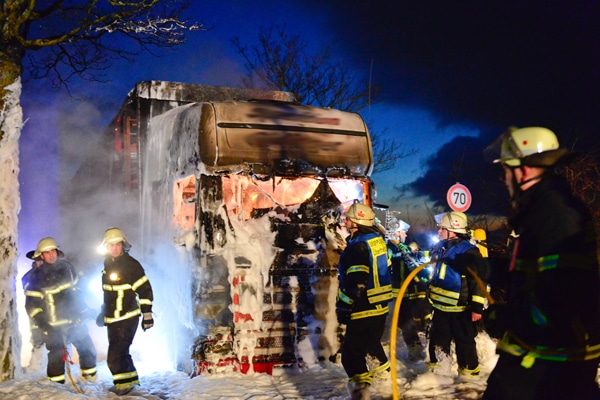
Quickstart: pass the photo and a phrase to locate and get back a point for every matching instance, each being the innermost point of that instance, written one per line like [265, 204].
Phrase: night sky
[490, 63]
[452, 75]
[483, 64]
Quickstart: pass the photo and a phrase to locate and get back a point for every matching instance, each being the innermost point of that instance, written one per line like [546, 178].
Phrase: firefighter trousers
[363, 336]
[120, 363]
[56, 341]
[407, 324]
[457, 326]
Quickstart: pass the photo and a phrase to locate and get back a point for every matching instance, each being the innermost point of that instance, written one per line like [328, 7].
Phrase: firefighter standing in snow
[55, 303]
[362, 303]
[457, 299]
[37, 337]
[127, 295]
[551, 345]
[415, 312]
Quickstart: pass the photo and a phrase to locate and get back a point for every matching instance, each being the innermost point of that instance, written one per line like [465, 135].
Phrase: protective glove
[100, 319]
[147, 321]
[404, 248]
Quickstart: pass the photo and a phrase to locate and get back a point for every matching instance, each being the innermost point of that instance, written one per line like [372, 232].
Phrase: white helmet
[532, 146]
[361, 214]
[45, 244]
[115, 235]
[396, 225]
[454, 221]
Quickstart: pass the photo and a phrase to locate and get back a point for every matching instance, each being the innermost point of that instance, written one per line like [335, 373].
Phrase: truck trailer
[248, 187]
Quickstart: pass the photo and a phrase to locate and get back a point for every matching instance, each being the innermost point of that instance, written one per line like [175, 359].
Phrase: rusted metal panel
[293, 138]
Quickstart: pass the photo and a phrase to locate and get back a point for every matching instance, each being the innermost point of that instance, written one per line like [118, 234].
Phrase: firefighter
[417, 254]
[56, 305]
[415, 311]
[37, 337]
[551, 343]
[127, 296]
[457, 299]
[362, 302]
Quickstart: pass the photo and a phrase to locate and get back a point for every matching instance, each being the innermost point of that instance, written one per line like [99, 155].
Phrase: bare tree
[69, 38]
[282, 62]
[583, 175]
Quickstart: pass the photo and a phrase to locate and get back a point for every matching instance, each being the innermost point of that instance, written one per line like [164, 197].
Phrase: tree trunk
[11, 122]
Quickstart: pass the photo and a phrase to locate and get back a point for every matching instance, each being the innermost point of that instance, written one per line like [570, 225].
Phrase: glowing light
[114, 276]
[94, 290]
[434, 239]
[102, 250]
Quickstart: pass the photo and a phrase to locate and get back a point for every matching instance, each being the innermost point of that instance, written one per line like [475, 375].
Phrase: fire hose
[68, 362]
[396, 313]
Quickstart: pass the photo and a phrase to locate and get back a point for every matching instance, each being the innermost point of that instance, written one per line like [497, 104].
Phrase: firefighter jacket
[553, 309]
[127, 290]
[52, 295]
[364, 278]
[452, 288]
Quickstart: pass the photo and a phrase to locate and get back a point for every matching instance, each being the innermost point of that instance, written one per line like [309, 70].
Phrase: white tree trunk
[11, 122]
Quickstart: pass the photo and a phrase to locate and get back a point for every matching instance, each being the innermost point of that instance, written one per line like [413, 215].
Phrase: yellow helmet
[45, 244]
[454, 221]
[413, 246]
[361, 214]
[115, 235]
[532, 146]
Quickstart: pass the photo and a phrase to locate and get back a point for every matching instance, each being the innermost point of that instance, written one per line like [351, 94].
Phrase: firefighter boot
[469, 373]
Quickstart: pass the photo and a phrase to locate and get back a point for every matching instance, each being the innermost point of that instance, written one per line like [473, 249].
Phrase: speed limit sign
[459, 197]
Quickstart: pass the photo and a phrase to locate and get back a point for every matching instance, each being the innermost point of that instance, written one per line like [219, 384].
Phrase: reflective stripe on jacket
[52, 294]
[379, 285]
[370, 269]
[127, 290]
[447, 284]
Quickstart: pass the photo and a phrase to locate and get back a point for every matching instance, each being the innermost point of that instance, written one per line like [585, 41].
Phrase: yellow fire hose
[67, 360]
[394, 327]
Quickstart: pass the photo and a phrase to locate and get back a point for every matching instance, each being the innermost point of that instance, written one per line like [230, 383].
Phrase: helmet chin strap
[518, 185]
[531, 179]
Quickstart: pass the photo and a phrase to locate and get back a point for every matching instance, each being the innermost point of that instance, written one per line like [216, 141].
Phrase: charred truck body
[249, 187]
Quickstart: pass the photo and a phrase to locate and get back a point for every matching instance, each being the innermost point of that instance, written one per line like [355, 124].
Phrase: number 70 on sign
[459, 197]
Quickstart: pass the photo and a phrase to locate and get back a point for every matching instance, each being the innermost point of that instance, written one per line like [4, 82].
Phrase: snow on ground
[325, 380]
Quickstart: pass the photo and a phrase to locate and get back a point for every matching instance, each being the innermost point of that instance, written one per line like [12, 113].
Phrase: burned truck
[249, 187]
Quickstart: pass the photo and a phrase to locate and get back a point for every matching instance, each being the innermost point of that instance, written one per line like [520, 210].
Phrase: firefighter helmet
[115, 235]
[454, 221]
[532, 146]
[361, 214]
[403, 226]
[45, 244]
[396, 225]
[413, 246]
